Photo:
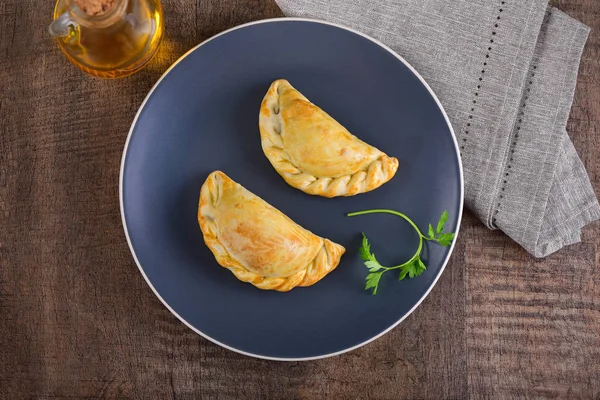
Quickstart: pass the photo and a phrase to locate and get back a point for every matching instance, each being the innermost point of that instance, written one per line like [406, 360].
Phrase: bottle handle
[62, 26]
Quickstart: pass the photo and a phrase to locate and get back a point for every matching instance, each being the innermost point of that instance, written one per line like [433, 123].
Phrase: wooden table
[77, 319]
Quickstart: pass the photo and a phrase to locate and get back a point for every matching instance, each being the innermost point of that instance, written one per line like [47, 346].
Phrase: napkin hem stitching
[481, 75]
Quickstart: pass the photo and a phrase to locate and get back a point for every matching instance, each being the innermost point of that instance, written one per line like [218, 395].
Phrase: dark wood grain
[77, 319]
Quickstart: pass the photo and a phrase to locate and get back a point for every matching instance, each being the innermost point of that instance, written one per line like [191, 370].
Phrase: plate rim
[124, 157]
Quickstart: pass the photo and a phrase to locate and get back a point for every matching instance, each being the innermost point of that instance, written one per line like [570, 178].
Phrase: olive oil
[114, 44]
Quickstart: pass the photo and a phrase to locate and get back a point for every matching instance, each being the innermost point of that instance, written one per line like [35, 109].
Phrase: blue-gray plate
[202, 115]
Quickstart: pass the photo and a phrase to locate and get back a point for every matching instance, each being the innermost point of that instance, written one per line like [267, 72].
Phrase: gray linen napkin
[505, 71]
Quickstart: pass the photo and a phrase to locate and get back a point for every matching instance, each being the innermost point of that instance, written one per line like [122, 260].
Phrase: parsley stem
[382, 210]
[399, 214]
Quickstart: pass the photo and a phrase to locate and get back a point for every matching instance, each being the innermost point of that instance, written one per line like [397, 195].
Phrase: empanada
[313, 152]
[257, 242]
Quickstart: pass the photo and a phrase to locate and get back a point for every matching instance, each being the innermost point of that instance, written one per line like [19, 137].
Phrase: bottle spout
[62, 26]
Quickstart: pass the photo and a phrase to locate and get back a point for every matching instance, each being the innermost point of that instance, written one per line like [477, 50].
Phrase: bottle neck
[97, 19]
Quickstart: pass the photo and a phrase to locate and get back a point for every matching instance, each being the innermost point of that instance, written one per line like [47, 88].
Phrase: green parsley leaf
[373, 266]
[430, 232]
[372, 281]
[403, 273]
[365, 249]
[442, 222]
[445, 239]
[420, 267]
[412, 269]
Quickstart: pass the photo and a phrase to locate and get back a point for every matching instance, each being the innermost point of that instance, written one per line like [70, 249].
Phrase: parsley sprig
[414, 266]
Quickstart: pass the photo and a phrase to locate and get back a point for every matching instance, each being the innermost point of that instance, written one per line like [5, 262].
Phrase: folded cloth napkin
[505, 71]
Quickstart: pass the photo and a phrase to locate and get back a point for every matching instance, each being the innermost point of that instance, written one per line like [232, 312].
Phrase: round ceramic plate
[202, 115]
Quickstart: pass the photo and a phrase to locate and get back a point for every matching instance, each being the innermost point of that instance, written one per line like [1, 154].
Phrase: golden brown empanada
[313, 152]
[257, 242]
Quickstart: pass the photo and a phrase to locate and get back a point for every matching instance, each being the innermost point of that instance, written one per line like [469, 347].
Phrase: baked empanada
[257, 242]
[313, 152]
